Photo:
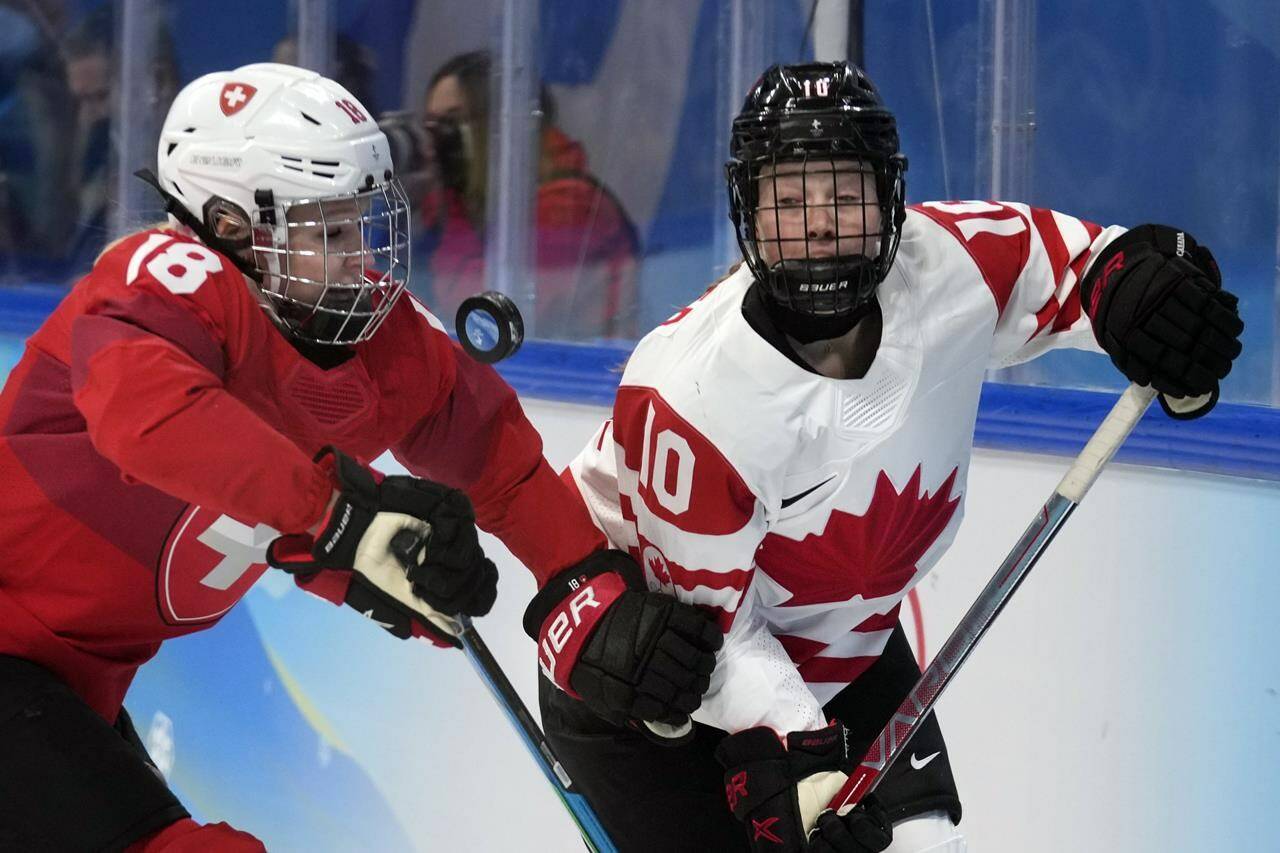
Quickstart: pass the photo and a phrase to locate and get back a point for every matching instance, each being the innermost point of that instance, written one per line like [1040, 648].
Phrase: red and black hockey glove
[629, 654]
[1158, 309]
[410, 591]
[864, 829]
[779, 791]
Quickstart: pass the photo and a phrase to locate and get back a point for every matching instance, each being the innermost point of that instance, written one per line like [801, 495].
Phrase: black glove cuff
[748, 746]
[561, 585]
[355, 507]
[349, 475]
[816, 751]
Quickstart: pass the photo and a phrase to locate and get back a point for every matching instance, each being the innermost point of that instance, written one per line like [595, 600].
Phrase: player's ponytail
[162, 225]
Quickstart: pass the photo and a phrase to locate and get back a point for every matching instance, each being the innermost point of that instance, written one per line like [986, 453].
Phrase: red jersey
[159, 430]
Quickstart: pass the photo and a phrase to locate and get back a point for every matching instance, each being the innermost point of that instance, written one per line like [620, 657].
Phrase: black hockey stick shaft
[593, 833]
[406, 545]
[497, 333]
[906, 721]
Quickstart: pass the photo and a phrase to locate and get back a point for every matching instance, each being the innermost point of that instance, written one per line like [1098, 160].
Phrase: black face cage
[842, 277]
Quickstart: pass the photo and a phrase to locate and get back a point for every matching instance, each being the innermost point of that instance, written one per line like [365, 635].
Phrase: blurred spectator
[35, 118]
[585, 244]
[88, 54]
[89, 58]
[57, 92]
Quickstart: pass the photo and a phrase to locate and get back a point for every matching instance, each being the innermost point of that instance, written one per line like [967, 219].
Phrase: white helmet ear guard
[283, 171]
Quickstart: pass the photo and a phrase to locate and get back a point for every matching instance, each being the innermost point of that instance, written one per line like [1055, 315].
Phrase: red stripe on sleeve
[995, 236]
[689, 578]
[881, 621]
[722, 617]
[800, 649]
[1052, 239]
[1046, 315]
[1073, 307]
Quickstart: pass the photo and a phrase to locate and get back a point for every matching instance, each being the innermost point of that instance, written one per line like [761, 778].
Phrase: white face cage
[332, 268]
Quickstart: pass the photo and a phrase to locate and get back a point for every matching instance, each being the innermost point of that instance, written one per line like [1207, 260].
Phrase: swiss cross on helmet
[816, 191]
[284, 172]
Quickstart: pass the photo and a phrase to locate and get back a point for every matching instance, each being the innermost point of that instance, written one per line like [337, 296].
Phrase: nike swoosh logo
[921, 763]
[786, 502]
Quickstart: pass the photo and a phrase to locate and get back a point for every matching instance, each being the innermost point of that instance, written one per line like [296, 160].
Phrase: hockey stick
[406, 544]
[595, 836]
[906, 721]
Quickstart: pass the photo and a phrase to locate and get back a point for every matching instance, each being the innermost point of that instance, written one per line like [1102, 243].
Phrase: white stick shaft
[917, 705]
[1106, 440]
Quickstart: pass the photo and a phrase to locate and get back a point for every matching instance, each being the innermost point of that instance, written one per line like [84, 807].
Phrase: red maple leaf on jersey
[871, 555]
[658, 567]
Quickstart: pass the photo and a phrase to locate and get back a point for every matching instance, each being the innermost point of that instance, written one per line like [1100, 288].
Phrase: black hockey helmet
[828, 117]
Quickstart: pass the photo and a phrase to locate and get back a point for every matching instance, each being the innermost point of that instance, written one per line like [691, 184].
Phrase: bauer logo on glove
[402, 551]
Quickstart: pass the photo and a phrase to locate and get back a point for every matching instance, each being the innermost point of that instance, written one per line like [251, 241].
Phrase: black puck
[489, 326]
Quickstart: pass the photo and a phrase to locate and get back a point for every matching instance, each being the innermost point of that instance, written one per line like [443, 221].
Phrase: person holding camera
[586, 247]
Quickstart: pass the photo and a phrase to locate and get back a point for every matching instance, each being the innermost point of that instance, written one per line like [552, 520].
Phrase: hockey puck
[489, 326]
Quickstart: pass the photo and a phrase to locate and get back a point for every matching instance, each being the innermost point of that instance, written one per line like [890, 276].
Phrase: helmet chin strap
[851, 299]
[807, 328]
[175, 208]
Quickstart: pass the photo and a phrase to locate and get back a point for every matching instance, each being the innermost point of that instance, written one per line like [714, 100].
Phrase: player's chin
[348, 302]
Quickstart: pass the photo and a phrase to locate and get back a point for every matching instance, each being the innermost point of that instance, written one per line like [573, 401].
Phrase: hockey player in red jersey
[203, 405]
[790, 453]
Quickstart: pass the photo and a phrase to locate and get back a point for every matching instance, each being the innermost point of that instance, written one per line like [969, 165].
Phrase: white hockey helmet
[251, 158]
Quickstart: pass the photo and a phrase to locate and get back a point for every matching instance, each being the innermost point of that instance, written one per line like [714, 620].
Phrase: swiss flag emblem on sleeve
[234, 96]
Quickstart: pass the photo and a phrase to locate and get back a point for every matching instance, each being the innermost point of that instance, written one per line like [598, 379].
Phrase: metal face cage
[332, 268]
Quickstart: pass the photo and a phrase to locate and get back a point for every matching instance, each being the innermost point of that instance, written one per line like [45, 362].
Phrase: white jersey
[800, 509]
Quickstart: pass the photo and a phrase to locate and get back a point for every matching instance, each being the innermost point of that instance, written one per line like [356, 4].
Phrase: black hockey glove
[406, 548]
[865, 829]
[778, 791]
[1158, 309]
[630, 655]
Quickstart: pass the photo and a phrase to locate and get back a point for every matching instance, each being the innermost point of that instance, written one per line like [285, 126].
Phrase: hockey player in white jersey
[790, 453]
